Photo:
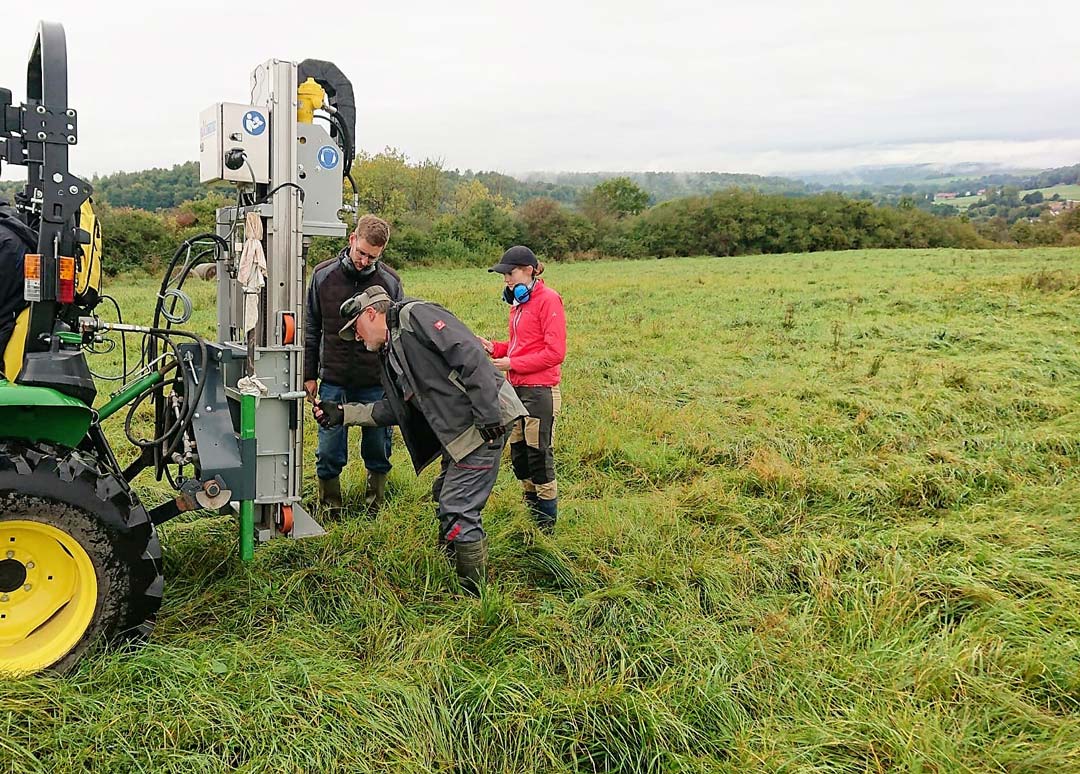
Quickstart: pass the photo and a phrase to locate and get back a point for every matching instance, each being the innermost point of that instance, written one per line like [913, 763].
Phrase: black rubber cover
[338, 88]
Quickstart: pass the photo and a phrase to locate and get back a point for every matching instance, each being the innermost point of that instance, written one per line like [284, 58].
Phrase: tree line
[463, 218]
[166, 188]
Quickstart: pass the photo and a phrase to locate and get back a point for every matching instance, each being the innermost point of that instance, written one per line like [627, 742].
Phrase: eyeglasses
[369, 256]
[354, 244]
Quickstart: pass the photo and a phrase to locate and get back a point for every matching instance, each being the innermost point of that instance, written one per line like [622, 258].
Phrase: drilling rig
[80, 559]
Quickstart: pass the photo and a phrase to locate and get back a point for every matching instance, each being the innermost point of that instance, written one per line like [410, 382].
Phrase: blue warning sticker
[254, 122]
[328, 157]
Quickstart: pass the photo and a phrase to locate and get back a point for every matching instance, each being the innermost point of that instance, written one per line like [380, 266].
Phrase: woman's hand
[487, 345]
[502, 363]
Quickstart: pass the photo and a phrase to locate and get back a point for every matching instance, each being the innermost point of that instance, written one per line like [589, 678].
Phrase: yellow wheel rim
[48, 594]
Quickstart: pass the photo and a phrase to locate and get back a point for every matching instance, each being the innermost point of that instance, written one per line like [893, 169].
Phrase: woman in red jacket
[532, 359]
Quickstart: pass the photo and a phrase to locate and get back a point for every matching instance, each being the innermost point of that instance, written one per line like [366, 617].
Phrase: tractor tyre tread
[97, 507]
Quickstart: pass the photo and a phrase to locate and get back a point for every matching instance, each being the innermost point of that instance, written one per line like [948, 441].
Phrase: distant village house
[1056, 208]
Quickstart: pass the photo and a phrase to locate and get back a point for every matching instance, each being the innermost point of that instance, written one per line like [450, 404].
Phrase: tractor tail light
[65, 289]
[32, 278]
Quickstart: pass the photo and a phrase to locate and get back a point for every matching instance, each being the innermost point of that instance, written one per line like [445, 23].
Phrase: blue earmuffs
[519, 293]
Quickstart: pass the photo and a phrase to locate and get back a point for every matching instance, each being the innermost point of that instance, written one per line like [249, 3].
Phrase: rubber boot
[375, 494]
[531, 500]
[546, 513]
[330, 497]
[470, 561]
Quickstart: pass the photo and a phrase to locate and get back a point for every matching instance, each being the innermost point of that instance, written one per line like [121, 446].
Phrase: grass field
[819, 513]
[1064, 191]
[963, 202]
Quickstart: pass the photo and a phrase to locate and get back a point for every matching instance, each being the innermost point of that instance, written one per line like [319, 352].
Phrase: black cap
[518, 255]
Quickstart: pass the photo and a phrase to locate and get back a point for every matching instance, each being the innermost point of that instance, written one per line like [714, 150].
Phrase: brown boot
[330, 497]
[376, 492]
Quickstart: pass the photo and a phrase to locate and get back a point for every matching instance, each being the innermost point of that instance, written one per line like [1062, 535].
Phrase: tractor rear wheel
[80, 561]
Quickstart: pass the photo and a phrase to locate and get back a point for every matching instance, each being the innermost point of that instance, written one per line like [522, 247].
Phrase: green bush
[732, 222]
[484, 223]
[134, 239]
[452, 252]
[323, 249]
[409, 244]
[554, 231]
[740, 222]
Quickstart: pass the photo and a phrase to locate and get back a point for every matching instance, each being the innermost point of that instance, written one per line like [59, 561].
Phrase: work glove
[491, 432]
[328, 414]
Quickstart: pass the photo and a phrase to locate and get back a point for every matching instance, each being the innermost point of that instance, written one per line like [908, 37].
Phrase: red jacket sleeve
[553, 325]
[499, 348]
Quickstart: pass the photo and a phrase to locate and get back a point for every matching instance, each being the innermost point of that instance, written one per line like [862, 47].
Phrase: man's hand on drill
[328, 413]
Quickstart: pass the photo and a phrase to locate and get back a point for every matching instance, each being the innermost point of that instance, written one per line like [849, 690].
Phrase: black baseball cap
[518, 255]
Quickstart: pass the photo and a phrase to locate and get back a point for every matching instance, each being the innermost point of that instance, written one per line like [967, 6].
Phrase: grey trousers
[462, 489]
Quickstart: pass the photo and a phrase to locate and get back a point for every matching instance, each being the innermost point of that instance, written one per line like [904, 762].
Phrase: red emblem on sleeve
[439, 325]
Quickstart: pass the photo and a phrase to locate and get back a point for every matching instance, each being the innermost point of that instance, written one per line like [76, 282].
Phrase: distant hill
[148, 189]
[900, 174]
[928, 178]
[515, 189]
[164, 188]
[160, 188]
[664, 186]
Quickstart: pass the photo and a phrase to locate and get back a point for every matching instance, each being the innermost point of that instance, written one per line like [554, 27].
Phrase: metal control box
[320, 170]
[226, 127]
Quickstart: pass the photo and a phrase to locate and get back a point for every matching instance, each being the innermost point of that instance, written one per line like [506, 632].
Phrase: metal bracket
[42, 123]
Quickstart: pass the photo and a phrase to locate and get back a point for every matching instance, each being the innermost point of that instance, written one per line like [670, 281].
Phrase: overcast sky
[591, 85]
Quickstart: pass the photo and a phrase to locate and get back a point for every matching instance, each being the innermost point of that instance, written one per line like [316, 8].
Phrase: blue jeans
[333, 450]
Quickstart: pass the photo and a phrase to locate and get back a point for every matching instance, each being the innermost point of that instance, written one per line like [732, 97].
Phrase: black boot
[470, 560]
[531, 500]
[546, 513]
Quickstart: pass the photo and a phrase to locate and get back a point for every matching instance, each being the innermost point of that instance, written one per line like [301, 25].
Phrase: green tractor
[80, 559]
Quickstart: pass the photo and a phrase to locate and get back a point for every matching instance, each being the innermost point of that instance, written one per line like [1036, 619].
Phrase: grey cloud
[729, 86]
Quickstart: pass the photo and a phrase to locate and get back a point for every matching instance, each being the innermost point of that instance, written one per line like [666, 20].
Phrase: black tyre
[80, 561]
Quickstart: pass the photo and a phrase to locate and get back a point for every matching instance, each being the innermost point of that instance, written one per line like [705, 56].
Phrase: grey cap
[351, 308]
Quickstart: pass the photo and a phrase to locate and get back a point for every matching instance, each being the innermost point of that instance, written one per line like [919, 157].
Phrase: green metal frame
[128, 394]
[247, 507]
[42, 414]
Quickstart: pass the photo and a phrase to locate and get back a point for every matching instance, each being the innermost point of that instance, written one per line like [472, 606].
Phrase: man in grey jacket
[448, 400]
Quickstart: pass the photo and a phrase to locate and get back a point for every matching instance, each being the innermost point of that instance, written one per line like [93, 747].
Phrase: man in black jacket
[449, 401]
[349, 374]
[16, 240]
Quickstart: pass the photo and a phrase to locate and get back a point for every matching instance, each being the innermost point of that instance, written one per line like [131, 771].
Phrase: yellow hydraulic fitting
[309, 96]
